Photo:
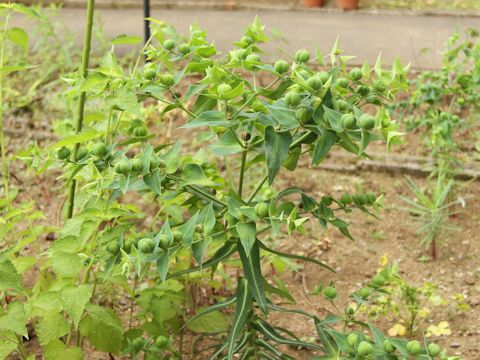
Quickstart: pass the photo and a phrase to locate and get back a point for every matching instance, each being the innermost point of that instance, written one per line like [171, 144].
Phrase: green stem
[132, 301]
[110, 115]
[21, 348]
[242, 172]
[81, 102]
[139, 57]
[2, 139]
[195, 190]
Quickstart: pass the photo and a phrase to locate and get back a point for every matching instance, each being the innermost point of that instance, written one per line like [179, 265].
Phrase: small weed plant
[445, 109]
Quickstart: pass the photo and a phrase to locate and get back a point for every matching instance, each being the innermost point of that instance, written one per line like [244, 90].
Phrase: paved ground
[364, 35]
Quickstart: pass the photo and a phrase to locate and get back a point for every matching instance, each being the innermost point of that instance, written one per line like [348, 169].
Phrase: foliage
[445, 102]
[431, 210]
[387, 295]
[130, 283]
[410, 307]
[444, 107]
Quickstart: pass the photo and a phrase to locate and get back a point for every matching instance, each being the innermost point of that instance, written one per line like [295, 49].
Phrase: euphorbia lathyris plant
[205, 214]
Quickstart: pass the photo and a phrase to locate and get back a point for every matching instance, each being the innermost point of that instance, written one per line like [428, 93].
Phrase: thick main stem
[2, 138]
[87, 41]
[242, 172]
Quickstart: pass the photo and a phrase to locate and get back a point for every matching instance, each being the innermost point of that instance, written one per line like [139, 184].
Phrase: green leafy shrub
[129, 282]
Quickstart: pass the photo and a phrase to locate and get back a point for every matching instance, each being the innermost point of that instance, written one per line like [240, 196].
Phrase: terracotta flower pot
[313, 3]
[347, 4]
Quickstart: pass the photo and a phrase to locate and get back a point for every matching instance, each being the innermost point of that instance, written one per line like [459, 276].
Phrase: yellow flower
[397, 330]
[423, 312]
[443, 328]
[383, 260]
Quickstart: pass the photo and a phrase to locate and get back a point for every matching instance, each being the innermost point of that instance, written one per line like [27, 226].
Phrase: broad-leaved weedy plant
[151, 224]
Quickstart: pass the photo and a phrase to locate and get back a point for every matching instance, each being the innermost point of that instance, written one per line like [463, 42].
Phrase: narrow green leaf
[242, 312]
[209, 119]
[187, 230]
[248, 234]
[323, 146]
[296, 257]
[272, 334]
[221, 254]
[253, 273]
[276, 146]
[216, 307]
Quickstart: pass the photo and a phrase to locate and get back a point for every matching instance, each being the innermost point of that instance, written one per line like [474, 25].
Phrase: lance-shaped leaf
[323, 146]
[187, 230]
[248, 234]
[262, 343]
[242, 312]
[272, 334]
[218, 306]
[276, 146]
[292, 256]
[221, 254]
[253, 273]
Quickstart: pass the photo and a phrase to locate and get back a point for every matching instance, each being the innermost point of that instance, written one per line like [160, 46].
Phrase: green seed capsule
[352, 339]
[346, 199]
[167, 80]
[292, 99]
[342, 82]
[140, 131]
[348, 121]
[330, 292]
[123, 167]
[63, 153]
[146, 245]
[99, 149]
[168, 44]
[324, 76]
[366, 122]
[371, 197]
[223, 90]
[434, 350]
[281, 66]
[302, 56]
[149, 74]
[315, 82]
[364, 293]
[161, 342]
[113, 248]
[342, 105]
[163, 242]
[261, 209]
[302, 115]
[184, 49]
[137, 165]
[356, 74]
[414, 347]
[388, 346]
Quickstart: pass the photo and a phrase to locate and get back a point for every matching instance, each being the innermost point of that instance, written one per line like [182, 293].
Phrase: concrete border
[233, 5]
